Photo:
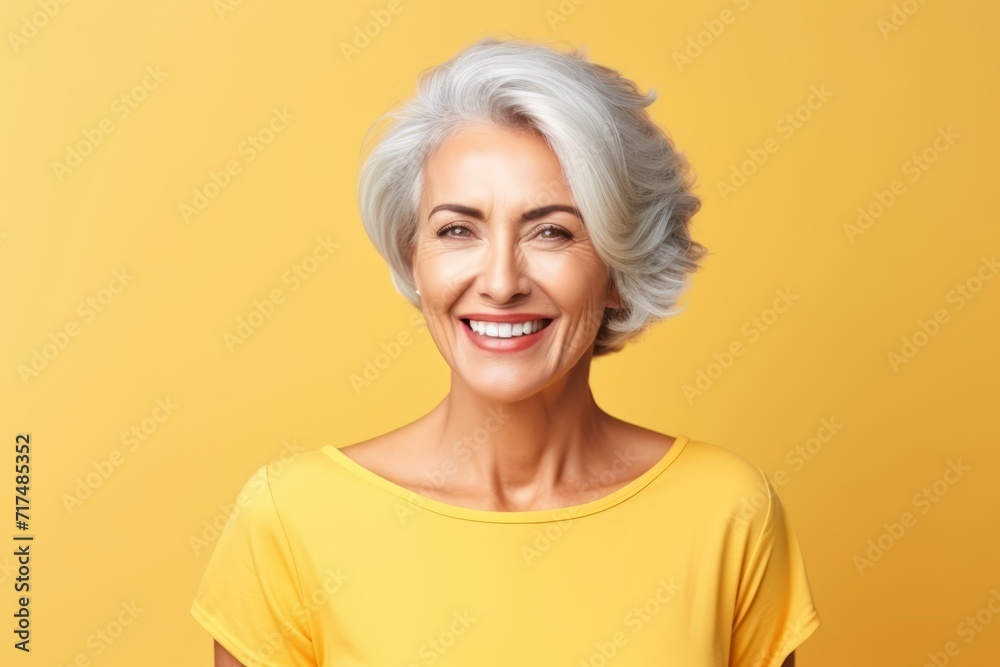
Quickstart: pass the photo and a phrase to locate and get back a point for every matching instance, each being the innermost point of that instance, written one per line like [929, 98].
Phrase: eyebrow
[527, 216]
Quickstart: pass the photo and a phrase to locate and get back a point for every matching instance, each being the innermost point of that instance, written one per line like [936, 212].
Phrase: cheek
[584, 293]
[571, 279]
[442, 278]
[428, 269]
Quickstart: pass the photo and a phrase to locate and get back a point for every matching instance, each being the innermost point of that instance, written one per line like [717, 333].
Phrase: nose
[503, 269]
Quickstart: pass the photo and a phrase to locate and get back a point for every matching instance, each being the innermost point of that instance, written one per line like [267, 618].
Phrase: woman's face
[498, 240]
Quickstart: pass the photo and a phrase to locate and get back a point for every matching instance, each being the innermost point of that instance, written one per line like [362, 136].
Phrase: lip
[512, 344]
[504, 317]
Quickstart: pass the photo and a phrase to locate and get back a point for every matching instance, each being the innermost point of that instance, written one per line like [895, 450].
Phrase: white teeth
[505, 329]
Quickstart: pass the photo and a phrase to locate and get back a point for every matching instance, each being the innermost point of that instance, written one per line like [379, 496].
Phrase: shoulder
[703, 461]
[737, 484]
[725, 462]
[293, 476]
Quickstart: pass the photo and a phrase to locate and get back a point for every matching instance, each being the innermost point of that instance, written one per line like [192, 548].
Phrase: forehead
[484, 158]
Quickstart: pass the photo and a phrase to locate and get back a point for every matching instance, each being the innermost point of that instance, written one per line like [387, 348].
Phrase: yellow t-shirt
[693, 564]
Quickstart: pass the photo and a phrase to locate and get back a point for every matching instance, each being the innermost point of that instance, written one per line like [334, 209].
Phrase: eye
[444, 231]
[548, 232]
[557, 231]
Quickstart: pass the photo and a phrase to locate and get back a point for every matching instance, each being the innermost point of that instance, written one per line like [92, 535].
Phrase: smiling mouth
[506, 329]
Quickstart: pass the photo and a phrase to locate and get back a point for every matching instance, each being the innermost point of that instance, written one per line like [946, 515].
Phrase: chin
[499, 385]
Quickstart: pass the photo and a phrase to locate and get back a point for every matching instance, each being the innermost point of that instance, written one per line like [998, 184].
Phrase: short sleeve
[249, 598]
[775, 611]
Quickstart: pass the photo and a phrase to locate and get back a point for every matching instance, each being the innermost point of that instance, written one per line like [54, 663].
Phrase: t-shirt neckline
[495, 516]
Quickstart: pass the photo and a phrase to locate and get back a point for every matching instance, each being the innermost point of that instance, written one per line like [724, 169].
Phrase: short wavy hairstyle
[633, 188]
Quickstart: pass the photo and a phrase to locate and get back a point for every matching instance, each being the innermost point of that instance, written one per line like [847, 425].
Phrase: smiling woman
[508, 228]
[531, 210]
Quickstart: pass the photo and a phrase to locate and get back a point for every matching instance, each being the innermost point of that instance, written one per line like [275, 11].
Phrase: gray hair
[633, 188]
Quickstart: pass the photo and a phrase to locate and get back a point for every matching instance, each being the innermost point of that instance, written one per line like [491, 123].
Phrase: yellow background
[896, 74]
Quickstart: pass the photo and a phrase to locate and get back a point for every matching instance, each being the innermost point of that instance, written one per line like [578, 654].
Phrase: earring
[418, 292]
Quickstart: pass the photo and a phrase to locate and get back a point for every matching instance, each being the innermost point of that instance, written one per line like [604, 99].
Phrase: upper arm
[774, 610]
[224, 658]
[250, 595]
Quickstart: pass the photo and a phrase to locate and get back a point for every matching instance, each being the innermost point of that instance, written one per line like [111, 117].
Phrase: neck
[523, 453]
